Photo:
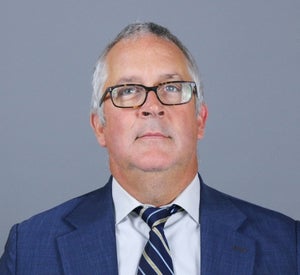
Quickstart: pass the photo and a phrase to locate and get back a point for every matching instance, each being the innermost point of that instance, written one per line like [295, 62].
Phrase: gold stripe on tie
[160, 221]
[156, 231]
[150, 262]
[142, 211]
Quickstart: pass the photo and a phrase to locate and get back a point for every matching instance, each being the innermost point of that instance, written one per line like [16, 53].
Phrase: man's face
[153, 137]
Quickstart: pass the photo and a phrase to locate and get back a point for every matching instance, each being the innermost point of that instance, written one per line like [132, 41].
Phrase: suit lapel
[223, 249]
[91, 247]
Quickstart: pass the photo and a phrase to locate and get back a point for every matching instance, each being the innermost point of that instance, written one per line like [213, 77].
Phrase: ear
[202, 116]
[98, 128]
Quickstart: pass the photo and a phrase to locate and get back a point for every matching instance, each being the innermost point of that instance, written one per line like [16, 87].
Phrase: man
[148, 111]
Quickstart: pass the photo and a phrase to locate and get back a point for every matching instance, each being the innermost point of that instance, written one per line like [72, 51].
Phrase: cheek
[117, 133]
[187, 131]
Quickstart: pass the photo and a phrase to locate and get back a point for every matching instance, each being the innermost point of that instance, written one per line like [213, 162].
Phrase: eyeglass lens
[171, 93]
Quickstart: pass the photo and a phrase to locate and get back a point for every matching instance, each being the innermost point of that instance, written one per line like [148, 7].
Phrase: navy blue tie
[156, 257]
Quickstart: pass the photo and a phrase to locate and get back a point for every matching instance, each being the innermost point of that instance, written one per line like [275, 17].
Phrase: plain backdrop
[249, 57]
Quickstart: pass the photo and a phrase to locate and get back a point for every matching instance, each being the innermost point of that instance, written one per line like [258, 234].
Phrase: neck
[156, 187]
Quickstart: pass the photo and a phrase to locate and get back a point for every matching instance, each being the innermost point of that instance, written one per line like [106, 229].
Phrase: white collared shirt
[182, 231]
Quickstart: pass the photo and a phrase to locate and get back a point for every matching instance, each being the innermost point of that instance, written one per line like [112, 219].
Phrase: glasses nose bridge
[151, 89]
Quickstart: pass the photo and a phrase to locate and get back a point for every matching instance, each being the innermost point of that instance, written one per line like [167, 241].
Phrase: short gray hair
[132, 31]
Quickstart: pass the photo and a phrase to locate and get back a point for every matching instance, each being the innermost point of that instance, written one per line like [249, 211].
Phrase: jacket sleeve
[8, 260]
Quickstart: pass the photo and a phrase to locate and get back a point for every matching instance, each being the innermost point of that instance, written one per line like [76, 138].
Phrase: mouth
[152, 135]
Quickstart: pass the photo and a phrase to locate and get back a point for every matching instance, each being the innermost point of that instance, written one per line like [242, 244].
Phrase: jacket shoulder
[251, 210]
[55, 216]
[264, 225]
[38, 235]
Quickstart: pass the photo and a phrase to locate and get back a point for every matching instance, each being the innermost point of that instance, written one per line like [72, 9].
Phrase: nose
[152, 106]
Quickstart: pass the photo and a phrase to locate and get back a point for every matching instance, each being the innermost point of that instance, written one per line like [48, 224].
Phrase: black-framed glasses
[135, 95]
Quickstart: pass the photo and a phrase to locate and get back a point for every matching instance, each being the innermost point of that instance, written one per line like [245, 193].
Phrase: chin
[154, 166]
[154, 169]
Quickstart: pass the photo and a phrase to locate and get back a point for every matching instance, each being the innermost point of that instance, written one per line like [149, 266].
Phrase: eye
[172, 88]
[125, 91]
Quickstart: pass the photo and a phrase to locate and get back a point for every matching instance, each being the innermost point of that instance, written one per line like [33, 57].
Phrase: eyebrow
[162, 78]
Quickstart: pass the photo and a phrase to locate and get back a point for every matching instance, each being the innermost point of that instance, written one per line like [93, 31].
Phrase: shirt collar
[189, 200]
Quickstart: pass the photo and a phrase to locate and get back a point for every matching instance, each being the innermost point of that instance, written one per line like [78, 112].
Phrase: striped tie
[156, 257]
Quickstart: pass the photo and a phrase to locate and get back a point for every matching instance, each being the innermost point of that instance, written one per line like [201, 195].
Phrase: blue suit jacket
[78, 237]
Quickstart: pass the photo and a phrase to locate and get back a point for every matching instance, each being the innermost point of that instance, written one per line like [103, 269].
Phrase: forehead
[145, 57]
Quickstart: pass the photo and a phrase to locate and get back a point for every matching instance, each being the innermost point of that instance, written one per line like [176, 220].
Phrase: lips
[153, 135]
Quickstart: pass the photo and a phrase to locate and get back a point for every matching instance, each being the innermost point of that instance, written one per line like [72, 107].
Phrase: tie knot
[155, 216]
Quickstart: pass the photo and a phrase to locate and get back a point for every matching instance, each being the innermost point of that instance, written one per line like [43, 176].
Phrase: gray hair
[133, 31]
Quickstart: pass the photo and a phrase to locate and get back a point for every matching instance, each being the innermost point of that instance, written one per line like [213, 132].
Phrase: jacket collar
[91, 245]
[224, 249]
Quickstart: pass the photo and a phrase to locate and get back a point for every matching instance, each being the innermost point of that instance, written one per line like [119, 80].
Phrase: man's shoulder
[54, 217]
[258, 218]
[273, 236]
[248, 208]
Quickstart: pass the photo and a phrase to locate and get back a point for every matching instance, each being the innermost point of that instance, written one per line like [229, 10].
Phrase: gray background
[248, 53]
